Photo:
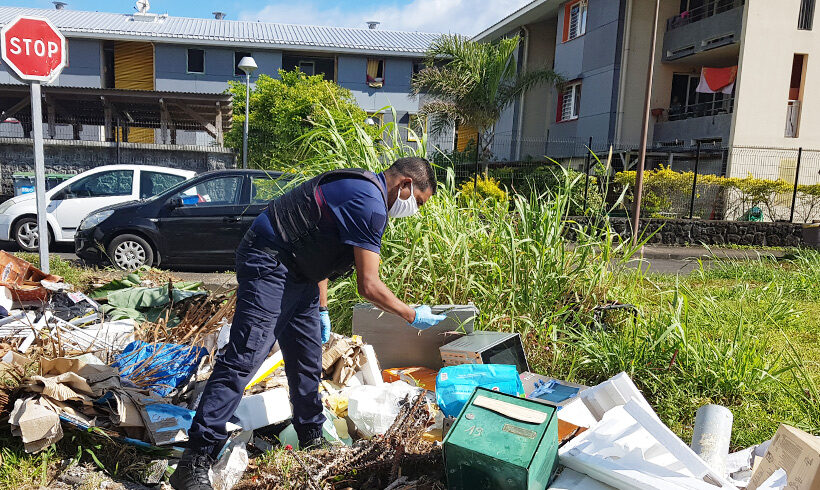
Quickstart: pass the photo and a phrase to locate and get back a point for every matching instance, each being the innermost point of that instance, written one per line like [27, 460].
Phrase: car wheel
[130, 252]
[26, 234]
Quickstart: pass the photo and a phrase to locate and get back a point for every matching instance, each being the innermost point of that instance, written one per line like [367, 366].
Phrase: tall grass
[718, 336]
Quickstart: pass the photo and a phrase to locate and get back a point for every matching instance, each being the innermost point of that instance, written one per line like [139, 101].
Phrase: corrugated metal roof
[106, 25]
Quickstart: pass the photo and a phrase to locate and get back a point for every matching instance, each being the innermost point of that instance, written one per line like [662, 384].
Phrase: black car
[200, 222]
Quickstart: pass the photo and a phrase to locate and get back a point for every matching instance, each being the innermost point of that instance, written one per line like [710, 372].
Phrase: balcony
[716, 24]
[703, 121]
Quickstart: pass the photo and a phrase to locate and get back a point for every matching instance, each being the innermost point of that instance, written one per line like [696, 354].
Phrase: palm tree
[471, 83]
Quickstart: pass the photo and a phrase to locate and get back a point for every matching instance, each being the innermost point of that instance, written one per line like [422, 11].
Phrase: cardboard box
[501, 442]
[486, 348]
[795, 451]
[397, 344]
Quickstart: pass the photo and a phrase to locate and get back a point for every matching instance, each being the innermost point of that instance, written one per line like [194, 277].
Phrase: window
[221, 191]
[375, 73]
[196, 61]
[569, 103]
[418, 66]
[795, 96]
[378, 118]
[806, 20]
[266, 188]
[307, 67]
[153, 183]
[575, 19]
[237, 57]
[103, 184]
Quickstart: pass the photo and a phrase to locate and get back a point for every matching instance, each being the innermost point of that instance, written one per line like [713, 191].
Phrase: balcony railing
[704, 109]
[711, 8]
[792, 118]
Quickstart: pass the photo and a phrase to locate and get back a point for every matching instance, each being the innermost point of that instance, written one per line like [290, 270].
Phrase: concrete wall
[84, 65]
[594, 58]
[71, 157]
[539, 103]
[352, 71]
[171, 65]
[770, 41]
[718, 126]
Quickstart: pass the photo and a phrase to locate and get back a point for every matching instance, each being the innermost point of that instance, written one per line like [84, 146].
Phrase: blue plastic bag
[455, 384]
[160, 367]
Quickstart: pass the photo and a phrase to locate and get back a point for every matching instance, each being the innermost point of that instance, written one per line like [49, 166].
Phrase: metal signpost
[36, 52]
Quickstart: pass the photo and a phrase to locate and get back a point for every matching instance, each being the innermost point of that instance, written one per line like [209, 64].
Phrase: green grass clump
[71, 273]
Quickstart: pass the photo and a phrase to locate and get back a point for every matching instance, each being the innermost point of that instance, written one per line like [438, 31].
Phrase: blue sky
[463, 16]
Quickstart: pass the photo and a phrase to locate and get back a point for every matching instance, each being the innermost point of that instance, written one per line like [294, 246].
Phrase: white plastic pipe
[713, 432]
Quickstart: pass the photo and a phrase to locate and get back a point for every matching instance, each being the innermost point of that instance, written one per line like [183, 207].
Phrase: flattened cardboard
[795, 451]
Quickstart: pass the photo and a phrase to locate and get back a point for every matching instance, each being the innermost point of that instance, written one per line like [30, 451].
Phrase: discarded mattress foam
[630, 448]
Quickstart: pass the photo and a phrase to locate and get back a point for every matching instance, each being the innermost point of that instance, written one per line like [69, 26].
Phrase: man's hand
[324, 317]
[425, 318]
[373, 289]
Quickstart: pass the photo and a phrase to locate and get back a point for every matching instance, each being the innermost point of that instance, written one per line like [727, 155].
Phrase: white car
[74, 199]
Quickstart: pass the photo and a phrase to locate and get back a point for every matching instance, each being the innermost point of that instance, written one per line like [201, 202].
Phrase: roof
[106, 25]
[530, 12]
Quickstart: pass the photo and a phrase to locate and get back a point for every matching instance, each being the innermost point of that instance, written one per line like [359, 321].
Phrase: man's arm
[323, 293]
[372, 288]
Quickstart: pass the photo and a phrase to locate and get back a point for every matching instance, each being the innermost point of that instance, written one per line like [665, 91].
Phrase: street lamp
[248, 65]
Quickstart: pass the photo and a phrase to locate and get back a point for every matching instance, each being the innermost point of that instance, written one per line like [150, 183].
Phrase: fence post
[694, 183]
[586, 174]
[796, 180]
[117, 139]
[477, 144]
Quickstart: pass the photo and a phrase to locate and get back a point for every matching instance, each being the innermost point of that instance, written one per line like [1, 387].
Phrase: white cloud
[462, 16]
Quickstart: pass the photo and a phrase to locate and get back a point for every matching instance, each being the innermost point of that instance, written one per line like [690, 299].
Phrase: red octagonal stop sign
[33, 48]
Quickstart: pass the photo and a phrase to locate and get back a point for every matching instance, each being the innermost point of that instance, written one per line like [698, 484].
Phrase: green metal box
[501, 442]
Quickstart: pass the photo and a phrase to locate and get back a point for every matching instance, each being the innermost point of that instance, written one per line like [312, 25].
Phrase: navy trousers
[270, 306]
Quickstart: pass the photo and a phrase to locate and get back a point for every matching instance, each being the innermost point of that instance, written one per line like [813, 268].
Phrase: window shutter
[560, 105]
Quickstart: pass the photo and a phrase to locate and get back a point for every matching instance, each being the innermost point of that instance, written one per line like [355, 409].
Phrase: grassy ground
[743, 334]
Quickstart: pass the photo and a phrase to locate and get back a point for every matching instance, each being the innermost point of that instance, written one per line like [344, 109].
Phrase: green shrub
[487, 191]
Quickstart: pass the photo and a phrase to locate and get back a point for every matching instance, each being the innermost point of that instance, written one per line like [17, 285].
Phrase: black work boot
[311, 438]
[192, 472]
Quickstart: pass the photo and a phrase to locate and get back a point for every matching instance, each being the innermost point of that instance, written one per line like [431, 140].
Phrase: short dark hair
[418, 169]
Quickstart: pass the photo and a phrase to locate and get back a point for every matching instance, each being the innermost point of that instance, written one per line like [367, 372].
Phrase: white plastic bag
[374, 408]
[229, 469]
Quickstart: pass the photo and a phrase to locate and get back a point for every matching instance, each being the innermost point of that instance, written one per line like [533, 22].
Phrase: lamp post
[248, 65]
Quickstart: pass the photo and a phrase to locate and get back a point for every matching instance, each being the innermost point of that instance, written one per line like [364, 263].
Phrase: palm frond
[526, 81]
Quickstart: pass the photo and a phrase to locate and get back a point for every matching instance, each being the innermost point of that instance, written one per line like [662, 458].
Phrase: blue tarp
[159, 367]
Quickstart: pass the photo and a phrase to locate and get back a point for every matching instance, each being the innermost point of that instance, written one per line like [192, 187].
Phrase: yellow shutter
[464, 135]
[134, 70]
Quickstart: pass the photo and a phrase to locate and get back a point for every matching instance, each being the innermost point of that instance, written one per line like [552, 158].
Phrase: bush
[488, 191]
[283, 111]
[549, 178]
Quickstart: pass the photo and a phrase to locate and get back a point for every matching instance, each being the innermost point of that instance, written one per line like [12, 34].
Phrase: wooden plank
[209, 127]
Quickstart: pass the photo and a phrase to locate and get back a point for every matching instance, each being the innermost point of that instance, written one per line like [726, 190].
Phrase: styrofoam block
[576, 413]
[631, 449]
[263, 409]
[371, 373]
[572, 480]
[616, 391]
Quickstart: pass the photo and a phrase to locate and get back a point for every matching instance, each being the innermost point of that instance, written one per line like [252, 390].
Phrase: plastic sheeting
[159, 367]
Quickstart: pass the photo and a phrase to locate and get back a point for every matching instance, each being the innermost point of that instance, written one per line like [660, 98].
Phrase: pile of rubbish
[448, 407]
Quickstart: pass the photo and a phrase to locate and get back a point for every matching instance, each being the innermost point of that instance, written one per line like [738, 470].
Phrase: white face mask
[403, 208]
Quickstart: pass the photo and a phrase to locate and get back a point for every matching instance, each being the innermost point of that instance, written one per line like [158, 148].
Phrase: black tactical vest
[313, 254]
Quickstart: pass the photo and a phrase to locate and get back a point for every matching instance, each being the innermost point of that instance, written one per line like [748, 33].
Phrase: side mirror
[60, 196]
[174, 203]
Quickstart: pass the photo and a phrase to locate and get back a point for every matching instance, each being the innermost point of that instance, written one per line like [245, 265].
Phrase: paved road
[656, 260]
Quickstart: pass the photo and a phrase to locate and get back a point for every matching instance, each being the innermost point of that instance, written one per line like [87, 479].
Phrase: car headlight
[94, 219]
[7, 205]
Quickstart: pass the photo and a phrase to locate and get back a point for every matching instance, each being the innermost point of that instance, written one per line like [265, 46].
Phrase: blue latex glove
[542, 388]
[425, 318]
[324, 317]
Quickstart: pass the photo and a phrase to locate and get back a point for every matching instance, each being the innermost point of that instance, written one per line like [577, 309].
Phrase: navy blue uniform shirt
[354, 207]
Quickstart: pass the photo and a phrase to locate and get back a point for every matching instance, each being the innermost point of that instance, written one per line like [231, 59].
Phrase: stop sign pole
[36, 52]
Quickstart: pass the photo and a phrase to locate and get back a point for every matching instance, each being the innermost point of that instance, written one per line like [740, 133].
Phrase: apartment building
[145, 76]
[731, 73]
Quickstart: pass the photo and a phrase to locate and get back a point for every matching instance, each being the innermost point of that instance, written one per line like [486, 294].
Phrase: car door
[88, 194]
[263, 188]
[200, 224]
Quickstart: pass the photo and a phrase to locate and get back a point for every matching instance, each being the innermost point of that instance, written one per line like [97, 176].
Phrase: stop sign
[33, 48]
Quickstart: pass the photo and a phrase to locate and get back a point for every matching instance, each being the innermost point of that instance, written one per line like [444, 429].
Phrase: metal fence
[703, 181]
